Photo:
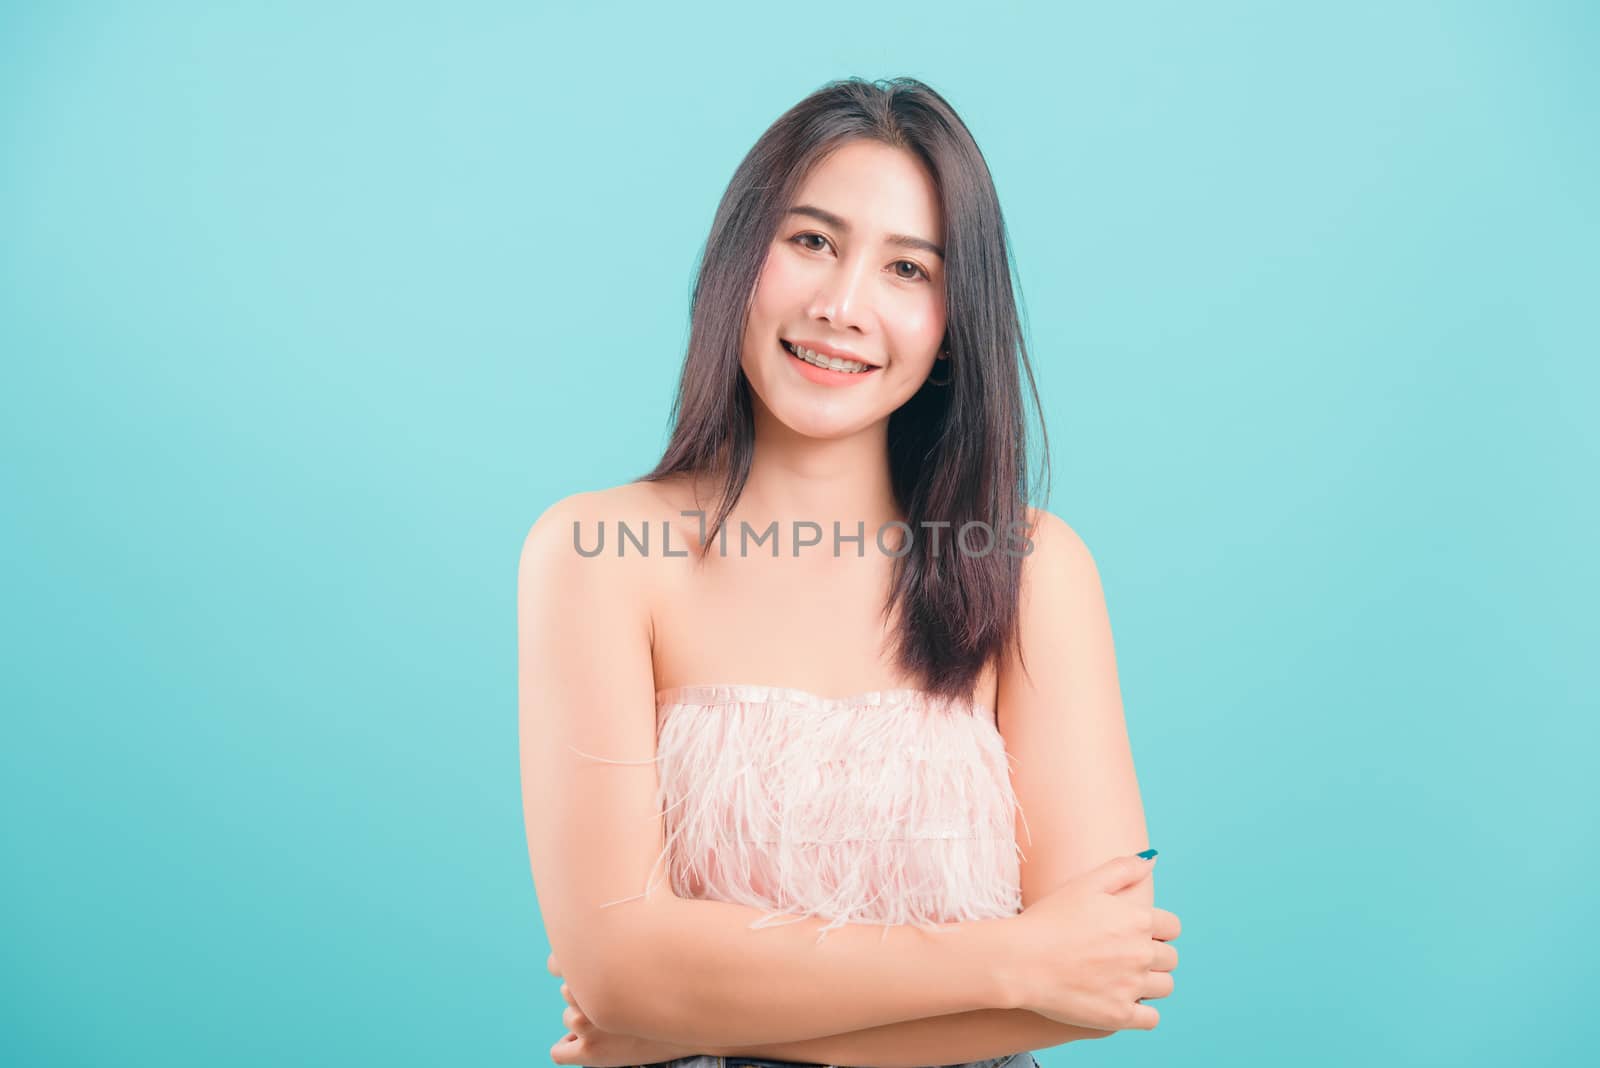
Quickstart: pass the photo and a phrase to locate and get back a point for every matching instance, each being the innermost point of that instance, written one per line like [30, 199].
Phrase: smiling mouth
[827, 363]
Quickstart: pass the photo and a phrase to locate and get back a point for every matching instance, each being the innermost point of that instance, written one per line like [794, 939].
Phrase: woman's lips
[824, 375]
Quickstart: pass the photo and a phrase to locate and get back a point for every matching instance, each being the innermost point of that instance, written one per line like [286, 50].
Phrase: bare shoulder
[574, 551]
[552, 533]
[552, 545]
[1058, 554]
[1061, 609]
[633, 502]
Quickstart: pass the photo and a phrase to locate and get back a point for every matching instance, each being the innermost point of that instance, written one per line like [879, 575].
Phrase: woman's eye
[916, 271]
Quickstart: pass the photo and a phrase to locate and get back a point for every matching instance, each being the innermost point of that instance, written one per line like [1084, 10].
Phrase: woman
[841, 510]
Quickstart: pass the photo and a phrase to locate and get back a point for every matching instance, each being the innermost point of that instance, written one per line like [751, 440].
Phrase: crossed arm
[957, 1037]
[969, 1036]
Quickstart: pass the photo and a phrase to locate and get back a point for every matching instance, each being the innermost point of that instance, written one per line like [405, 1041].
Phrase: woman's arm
[959, 1037]
[1063, 723]
[702, 979]
[971, 1036]
[688, 972]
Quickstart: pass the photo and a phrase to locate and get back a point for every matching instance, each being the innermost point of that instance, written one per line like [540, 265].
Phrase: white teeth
[832, 363]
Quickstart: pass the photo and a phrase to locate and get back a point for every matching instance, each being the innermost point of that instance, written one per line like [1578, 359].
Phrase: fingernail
[1146, 855]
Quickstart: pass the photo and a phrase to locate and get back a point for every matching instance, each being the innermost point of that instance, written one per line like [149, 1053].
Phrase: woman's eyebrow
[838, 223]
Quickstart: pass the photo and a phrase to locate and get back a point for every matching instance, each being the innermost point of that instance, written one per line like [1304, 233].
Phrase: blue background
[307, 314]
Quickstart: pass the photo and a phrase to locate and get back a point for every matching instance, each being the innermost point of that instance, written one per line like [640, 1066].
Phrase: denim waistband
[708, 1060]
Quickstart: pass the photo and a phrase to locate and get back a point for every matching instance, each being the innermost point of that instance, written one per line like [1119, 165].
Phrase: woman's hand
[586, 1045]
[1085, 956]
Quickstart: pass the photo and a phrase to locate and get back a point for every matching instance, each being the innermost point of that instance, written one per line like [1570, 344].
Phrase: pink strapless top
[890, 807]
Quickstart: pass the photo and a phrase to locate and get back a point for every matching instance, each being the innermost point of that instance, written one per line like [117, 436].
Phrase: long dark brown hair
[958, 453]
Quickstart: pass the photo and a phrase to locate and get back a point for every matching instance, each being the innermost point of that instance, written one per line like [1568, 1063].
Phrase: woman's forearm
[962, 1036]
[692, 973]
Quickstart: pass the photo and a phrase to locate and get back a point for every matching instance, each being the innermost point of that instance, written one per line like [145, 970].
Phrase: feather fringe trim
[891, 807]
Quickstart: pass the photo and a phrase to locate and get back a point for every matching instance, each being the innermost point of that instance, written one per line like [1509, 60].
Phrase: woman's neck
[795, 478]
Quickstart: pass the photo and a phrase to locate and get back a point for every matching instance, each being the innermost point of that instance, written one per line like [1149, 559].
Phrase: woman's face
[856, 268]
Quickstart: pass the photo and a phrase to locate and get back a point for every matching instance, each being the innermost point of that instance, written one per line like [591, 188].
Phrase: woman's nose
[841, 295]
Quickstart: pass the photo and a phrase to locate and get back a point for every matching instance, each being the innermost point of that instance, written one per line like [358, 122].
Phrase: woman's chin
[824, 420]
[819, 412]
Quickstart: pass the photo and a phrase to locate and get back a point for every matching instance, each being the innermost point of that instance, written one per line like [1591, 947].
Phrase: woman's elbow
[608, 976]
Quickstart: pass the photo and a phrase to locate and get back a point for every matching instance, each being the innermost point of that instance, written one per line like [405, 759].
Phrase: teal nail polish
[1146, 855]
